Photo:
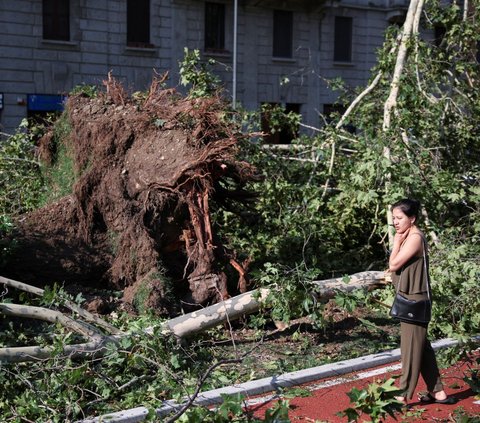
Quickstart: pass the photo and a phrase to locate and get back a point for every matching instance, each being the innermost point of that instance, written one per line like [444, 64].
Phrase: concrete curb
[269, 384]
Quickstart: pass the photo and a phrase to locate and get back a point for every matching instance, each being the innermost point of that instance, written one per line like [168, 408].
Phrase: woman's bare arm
[404, 248]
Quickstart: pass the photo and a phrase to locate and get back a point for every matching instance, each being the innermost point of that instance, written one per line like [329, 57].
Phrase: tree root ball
[138, 219]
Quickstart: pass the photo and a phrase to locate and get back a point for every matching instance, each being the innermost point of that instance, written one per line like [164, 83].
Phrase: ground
[301, 345]
[321, 401]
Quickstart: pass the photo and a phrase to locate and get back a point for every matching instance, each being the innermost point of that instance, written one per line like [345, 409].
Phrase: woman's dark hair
[410, 207]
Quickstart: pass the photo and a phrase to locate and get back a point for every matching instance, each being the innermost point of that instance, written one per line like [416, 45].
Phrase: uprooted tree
[324, 213]
[148, 168]
[330, 216]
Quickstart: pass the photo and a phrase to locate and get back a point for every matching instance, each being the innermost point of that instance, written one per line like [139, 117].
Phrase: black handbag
[411, 311]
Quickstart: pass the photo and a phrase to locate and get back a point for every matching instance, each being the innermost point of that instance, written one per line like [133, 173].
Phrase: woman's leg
[429, 369]
[412, 343]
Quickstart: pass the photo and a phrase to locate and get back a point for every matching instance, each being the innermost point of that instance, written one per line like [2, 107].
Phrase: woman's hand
[400, 237]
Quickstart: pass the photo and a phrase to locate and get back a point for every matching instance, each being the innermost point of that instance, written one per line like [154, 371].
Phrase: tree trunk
[410, 28]
[250, 302]
[182, 326]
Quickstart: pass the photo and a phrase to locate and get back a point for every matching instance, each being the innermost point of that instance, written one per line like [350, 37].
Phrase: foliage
[376, 400]
[86, 90]
[319, 212]
[290, 293]
[460, 416]
[26, 183]
[6, 243]
[322, 203]
[60, 175]
[473, 377]
[146, 367]
[20, 176]
[455, 272]
[279, 119]
[197, 74]
[21, 181]
[232, 410]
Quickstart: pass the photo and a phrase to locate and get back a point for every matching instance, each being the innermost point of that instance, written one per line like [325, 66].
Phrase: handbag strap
[427, 278]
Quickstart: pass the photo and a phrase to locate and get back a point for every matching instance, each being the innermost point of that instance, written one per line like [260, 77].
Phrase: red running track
[326, 401]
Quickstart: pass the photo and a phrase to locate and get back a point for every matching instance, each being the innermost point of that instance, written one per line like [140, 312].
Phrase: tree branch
[52, 316]
[89, 317]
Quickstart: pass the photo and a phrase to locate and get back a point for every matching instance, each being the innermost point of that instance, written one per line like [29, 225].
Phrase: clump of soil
[139, 215]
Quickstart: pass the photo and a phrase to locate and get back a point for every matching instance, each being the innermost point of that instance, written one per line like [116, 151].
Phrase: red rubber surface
[324, 403]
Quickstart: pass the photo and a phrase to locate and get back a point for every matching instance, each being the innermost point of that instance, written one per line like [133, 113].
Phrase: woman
[406, 265]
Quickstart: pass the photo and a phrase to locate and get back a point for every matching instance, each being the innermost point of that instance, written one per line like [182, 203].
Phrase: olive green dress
[416, 351]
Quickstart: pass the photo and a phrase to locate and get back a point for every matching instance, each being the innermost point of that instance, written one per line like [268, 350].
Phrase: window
[56, 20]
[138, 23]
[282, 33]
[397, 18]
[342, 50]
[283, 132]
[214, 26]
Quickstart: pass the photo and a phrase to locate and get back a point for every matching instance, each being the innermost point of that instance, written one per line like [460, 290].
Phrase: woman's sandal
[430, 399]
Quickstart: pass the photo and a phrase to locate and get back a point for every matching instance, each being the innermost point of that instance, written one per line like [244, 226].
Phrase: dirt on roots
[139, 216]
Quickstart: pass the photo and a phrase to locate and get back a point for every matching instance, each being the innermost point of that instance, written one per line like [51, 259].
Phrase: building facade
[268, 51]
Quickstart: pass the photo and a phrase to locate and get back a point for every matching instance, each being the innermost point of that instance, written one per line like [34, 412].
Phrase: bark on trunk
[410, 28]
[250, 302]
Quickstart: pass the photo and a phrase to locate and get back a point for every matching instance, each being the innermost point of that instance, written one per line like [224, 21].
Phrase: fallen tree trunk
[52, 316]
[327, 288]
[180, 327]
[33, 353]
[250, 302]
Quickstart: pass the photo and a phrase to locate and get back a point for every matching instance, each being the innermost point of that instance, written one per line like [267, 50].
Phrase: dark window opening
[342, 51]
[275, 126]
[56, 20]
[398, 20]
[214, 27]
[282, 33]
[138, 23]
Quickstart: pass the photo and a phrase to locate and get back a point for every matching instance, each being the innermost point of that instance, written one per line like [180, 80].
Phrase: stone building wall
[31, 65]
